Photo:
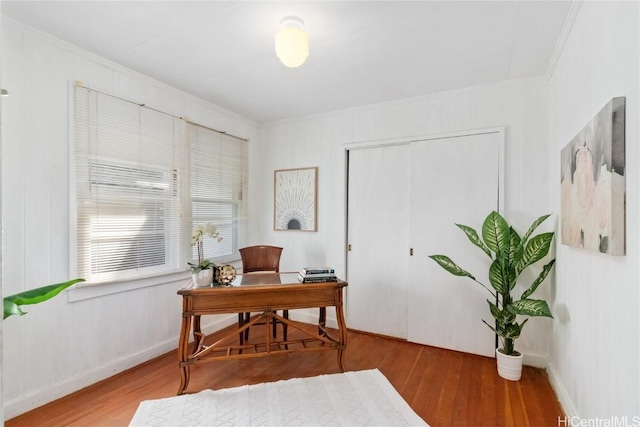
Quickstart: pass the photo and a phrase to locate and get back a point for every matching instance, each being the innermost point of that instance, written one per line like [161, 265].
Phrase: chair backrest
[260, 258]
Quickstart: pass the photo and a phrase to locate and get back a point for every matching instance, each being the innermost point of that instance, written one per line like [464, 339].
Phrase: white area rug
[360, 398]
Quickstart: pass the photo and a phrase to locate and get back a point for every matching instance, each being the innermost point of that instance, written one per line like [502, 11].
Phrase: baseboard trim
[310, 317]
[30, 401]
[565, 400]
[535, 360]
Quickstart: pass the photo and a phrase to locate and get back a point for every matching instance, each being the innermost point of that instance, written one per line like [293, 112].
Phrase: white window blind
[128, 189]
[218, 185]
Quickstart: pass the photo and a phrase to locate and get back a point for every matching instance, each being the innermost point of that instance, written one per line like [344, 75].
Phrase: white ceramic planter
[509, 367]
[203, 278]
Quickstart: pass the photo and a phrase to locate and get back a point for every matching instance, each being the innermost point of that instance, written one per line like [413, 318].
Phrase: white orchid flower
[201, 230]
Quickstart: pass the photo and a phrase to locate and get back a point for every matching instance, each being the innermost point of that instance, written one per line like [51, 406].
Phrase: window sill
[83, 292]
[80, 293]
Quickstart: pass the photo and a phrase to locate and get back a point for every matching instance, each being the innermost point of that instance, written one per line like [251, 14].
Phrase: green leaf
[533, 227]
[530, 307]
[495, 232]
[472, 235]
[34, 296]
[495, 311]
[513, 330]
[446, 263]
[543, 274]
[11, 308]
[536, 249]
[526, 236]
[204, 265]
[491, 327]
[515, 247]
[503, 317]
[496, 277]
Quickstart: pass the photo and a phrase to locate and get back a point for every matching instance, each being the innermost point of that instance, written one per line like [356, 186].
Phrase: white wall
[1, 293]
[595, 356]
[61, 346]
[520, 106]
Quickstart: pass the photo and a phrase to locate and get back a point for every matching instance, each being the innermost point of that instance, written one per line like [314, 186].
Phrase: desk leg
[322, 322]
[342, 330]
[183, 352]
[198, 337]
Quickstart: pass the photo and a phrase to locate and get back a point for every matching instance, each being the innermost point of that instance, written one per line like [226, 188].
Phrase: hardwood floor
[446, 388]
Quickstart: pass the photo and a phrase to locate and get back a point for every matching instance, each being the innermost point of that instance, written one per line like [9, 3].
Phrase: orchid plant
[197, 235]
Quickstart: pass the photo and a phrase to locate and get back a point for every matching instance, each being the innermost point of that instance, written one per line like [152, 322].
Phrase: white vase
[203, 278]
[509, 367]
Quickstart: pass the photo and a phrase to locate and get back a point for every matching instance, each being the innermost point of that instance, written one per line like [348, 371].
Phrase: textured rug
[359, 398]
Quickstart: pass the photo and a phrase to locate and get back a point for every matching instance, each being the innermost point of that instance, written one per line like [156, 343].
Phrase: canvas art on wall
[593, 183]
[294, 206]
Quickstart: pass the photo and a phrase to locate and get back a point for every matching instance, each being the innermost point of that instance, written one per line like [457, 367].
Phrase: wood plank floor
[446, 388]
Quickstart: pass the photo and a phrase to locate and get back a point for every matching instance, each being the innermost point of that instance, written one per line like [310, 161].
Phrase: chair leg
[274, 326]
[247, 317]
[274, 323]
[240, 325]
[285, 314]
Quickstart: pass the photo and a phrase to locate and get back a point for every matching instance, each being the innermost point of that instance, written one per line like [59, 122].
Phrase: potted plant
[510, 255]
[12, 303]
[202, 272]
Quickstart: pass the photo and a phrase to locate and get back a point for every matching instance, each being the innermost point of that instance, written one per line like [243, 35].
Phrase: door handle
[411, 252]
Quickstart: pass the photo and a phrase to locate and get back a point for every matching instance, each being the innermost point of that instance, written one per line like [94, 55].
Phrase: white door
[378, 227]
[453, 180]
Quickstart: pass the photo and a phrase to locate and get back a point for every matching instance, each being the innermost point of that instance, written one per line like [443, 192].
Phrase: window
[143, 178]
[218, 174]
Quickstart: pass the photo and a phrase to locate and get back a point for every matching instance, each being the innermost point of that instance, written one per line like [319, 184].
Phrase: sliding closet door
[453, 180]
[378, 232]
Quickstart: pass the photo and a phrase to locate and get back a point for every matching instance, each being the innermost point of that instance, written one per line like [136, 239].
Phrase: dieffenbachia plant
[511, 255]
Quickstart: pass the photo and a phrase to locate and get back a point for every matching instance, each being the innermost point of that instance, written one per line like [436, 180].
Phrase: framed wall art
[295, 199]
[593, 183]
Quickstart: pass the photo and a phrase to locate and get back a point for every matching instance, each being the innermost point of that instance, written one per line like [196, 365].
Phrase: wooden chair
[260, 258]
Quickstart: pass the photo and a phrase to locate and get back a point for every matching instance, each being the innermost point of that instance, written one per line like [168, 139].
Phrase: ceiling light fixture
[292, 42]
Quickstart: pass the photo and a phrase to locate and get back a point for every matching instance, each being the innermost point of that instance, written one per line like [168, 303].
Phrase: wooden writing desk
[264, 293]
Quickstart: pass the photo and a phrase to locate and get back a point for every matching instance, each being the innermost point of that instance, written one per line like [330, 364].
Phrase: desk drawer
[262, 299]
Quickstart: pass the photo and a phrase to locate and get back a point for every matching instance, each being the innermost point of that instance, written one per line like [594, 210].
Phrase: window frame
[180, 181]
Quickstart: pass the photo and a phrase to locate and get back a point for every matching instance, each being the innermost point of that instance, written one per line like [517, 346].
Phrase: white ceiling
[361, 52]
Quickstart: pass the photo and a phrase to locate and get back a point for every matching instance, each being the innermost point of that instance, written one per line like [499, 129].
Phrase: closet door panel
[453, 180]
[378, 227]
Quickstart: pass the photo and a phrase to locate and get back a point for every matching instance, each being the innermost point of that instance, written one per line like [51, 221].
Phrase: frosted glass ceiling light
[292, 42]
